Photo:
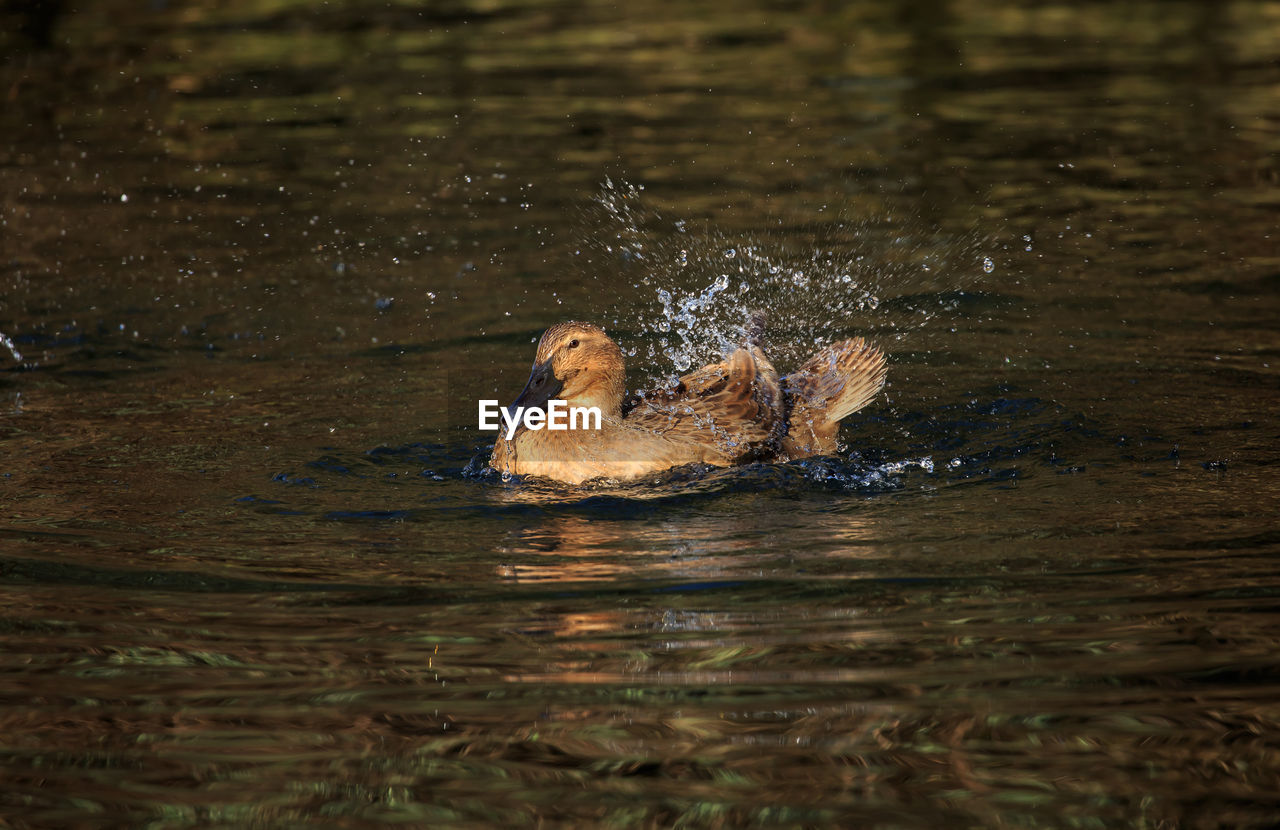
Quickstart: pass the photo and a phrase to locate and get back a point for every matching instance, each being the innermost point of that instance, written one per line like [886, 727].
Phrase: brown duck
[725, 413]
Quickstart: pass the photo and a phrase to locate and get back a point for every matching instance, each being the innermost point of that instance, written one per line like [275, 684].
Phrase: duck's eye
[573, 344]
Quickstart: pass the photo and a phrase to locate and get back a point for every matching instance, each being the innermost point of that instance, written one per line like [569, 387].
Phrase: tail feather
[833, 384]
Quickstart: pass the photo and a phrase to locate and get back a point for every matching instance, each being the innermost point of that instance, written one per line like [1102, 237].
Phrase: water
[258, 262]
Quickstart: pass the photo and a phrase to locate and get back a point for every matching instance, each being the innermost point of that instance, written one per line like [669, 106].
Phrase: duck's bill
[542, 386]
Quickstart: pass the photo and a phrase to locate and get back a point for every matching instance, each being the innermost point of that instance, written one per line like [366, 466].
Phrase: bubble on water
[846, 279]
[730, 253]
[988, 265]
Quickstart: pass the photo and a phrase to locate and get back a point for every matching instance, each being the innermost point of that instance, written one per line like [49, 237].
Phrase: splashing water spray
[706, 282]
[8, 344]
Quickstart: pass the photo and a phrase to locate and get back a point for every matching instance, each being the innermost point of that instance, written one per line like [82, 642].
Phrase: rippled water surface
[259, 259]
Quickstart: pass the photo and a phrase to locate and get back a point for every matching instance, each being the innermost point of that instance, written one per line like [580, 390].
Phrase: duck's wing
[735, 405]
[833, 384]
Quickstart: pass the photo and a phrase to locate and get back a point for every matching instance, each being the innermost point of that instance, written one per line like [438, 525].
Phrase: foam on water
[852, 474]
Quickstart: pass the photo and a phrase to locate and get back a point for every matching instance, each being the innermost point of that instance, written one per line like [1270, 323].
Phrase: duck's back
[734, 406]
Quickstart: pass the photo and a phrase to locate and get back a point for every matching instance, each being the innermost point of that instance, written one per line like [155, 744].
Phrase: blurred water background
[259, 258]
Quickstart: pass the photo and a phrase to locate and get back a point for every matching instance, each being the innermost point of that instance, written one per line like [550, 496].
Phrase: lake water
[260, 258]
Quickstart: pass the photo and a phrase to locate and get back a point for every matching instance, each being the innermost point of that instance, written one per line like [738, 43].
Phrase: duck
[736, 411]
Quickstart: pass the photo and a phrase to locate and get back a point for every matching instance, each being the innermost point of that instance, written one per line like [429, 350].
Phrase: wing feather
[833, 384]
[736, 404]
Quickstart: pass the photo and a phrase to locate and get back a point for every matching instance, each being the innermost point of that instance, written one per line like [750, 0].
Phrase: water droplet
[988, 264]
[730, 253]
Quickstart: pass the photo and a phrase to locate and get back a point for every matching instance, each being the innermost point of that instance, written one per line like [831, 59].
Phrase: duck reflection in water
[733, 412]
[600, 547]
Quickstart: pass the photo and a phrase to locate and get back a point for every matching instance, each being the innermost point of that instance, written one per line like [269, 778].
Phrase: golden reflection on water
[706, 545]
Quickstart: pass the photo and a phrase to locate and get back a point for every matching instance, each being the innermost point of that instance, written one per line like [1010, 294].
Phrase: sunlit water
[259, 261]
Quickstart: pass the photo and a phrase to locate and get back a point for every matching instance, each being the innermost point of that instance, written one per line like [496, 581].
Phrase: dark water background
[259, 258]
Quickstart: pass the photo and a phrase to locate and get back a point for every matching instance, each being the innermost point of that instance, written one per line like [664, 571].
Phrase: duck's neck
[606, 396]
[609, 405]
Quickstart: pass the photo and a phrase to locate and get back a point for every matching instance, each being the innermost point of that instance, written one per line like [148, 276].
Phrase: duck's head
[579, 364]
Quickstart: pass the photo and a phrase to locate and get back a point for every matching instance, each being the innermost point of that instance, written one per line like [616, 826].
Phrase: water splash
[697, 287]
[828, 473]
[8, 344]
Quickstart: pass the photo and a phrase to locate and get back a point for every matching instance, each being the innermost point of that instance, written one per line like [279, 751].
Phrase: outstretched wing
[833, 384]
